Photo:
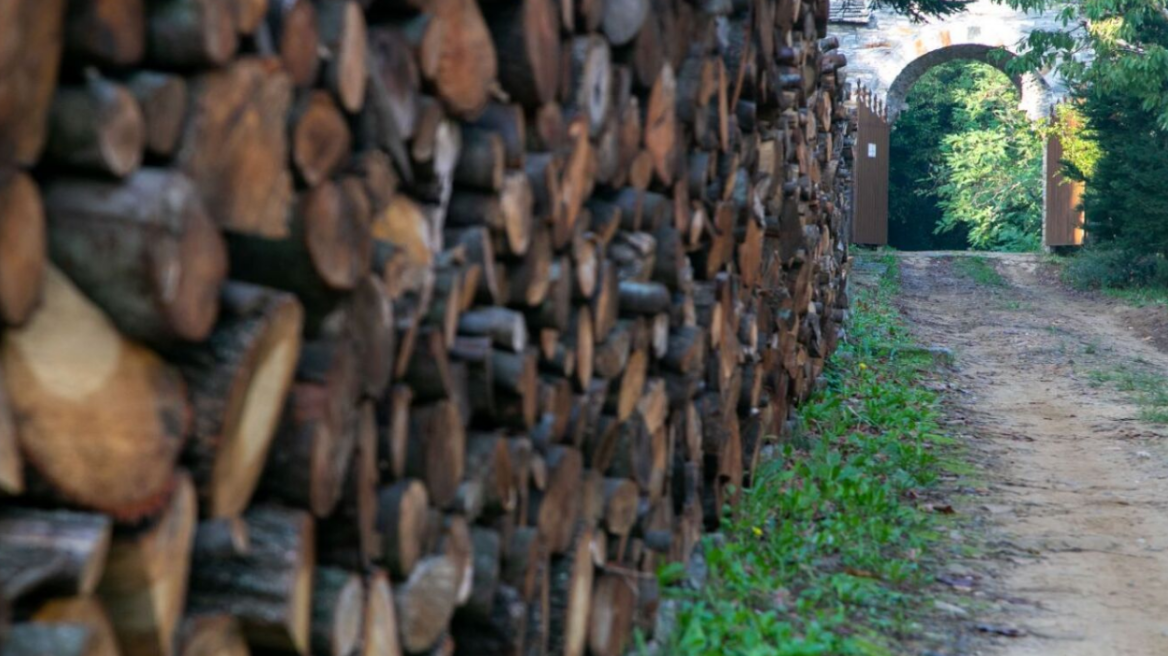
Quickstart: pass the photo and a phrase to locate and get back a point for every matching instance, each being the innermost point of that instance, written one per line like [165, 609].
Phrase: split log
[211, 634]
[11, 462]
[57, 552]
[623, 19]
[270, 588]
[508, 213]
[401, 521]
[556, 509]
[437, 449]
[318, 432]
[319, 137]
[456, 54]
[395, 70]
[343, 37]
[36, 639]
[614, 605]
[328, 249]
[144, 250]
[22, 247]
[103, 418]
[238, 380]
[297, 41]
[96, 127]
[34, 32]
[145, 581]
[506, 328]
[222, 537]
[380, 621]
[191, 33]
[526, 37]
[163, 100]
[338, 607]
[235, 146]
[86, 612]
[571, 595]
[481, 160]
[425, 603]
[349, 537]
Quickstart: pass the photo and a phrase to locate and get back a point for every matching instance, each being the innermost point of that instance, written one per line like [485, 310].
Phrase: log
[191, 33]
[292, 24]
[107, 31]
[526, 38]
[96, 127]
[145, 581]
[222, 537]
[103, 418]
[349, 537]
[571, 595]
[393, 64]
[436, 450]
[506, 328]
[456, 55]
[85, 612]
[269, 589]
[210, 634]
[318, 431]
[235, 147]
[338, 607]
[481, 161]
[57, 552]
[319, 137]
[162, 98]
[661, 124]
[34, 32]
[614, 604]
[401, 521]
[508, 213]
[425, 603]
[35, 639]
[23, 251]
[556, 509]
[623, 20]
[327, 249]
[380, 621]
[620, 505]
[343, 38]
[144, 250]
[248, 14]
[237, 381]
[11, 462]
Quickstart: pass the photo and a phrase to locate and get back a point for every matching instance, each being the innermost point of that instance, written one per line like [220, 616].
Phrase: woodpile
[398, 326]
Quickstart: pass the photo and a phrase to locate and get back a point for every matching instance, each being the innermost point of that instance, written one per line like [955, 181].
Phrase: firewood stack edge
[376, 327]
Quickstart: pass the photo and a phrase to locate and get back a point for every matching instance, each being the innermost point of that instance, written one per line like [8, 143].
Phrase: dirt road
[1075, 485]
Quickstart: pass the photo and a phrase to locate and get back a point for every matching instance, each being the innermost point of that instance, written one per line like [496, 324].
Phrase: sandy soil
[1075, 497]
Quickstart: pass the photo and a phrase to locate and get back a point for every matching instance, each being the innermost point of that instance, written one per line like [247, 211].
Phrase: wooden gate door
[1062, 223]
[870, 193]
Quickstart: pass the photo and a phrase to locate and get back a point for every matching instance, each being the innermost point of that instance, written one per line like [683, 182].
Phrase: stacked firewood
[397, 326]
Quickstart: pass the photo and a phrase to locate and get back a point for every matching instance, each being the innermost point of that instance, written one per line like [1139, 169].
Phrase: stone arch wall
[888, 52]
[1035, 92]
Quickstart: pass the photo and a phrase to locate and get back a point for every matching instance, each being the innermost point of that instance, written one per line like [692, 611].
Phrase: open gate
[1062, 223]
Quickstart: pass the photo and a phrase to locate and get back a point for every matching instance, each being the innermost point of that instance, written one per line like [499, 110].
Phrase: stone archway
[886, 49]
[1035, 92]
[887, 53]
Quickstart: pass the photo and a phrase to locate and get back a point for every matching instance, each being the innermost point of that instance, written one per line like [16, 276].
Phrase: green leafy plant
[827, 551]
[980, 270]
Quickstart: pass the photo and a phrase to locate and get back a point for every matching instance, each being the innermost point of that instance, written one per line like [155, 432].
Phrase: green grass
[1141, 297]
[827, 552]
[1147, 388]
[980, 270]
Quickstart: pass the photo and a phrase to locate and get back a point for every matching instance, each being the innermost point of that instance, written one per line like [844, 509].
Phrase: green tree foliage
[1113, 47]
[967, 164]
[1114, 53]
[920, 10]
[1125, 200]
